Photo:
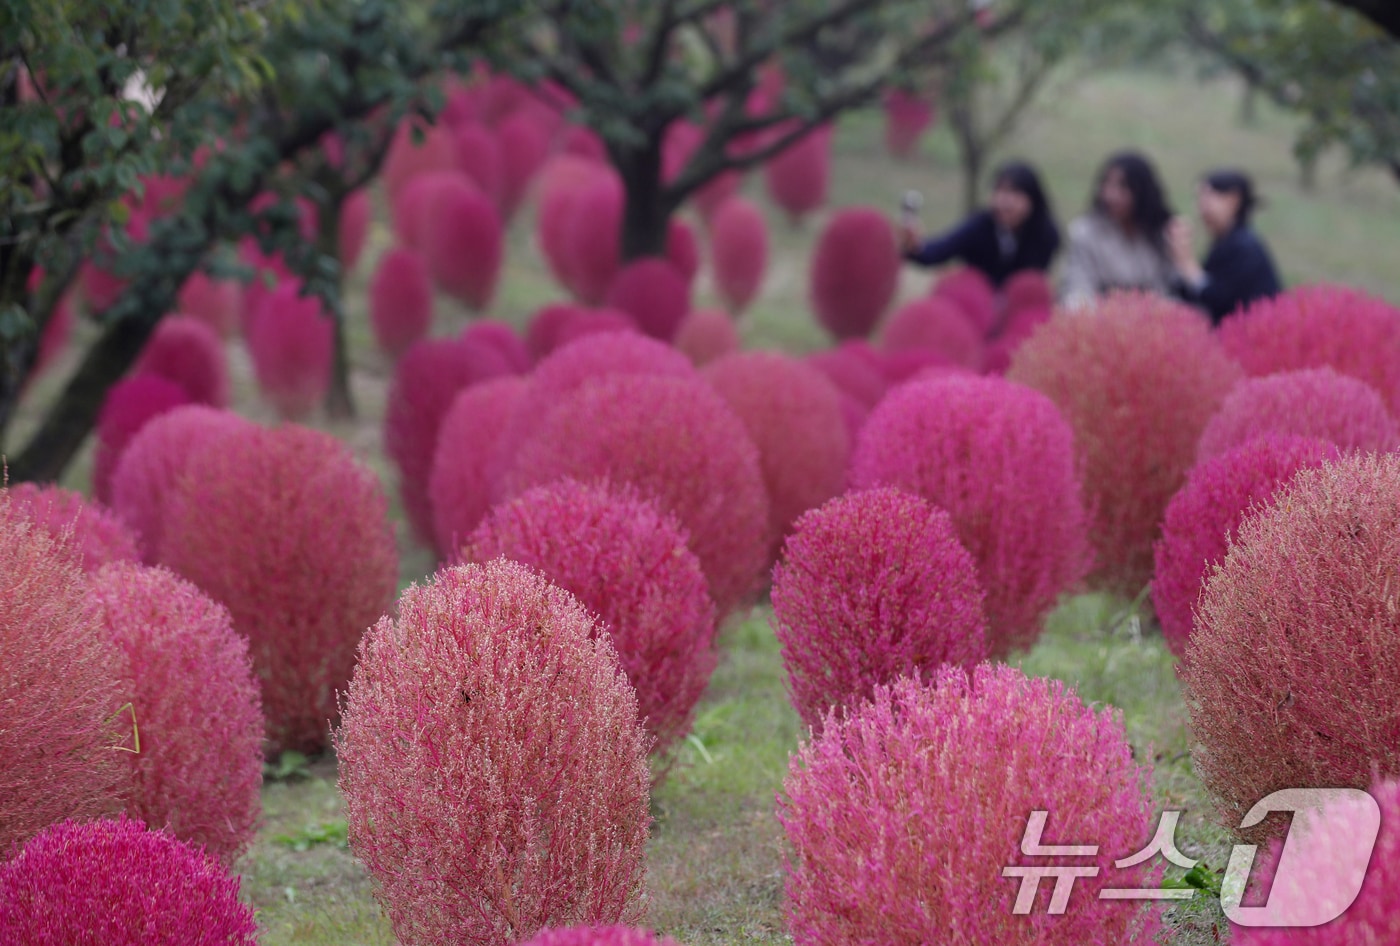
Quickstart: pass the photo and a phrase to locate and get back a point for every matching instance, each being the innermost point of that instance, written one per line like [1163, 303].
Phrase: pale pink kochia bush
[463, 244]
[600, 936]
[215, 302]
[872, 587]
[654, 293]
[524, 147]
[407, 160]
[903, 812]
[592, 237]
[705, 335]
[479, 158]
[935, 324]
[292, 344]
[544, 328]
[798, 179]
[853, 367]
[1203, 518]
[152, 463]
[461, 484]
[190, 353]
[1138, 378]
[426, 381]
[1329, 834]
[114, 883]
[1027, 289]
[907, 117]
[269, 272]
[295, 540]
[683, 250]
[412, 206]
[130, 404]
[1352, 332]
[400, 300]
[1291, 672]
[739, 252]
[492, 762]
[627, 563]
[1313, 402]
[999, 458]
[503, 339]
[355, 214]
[854, 272]
[679, 444]
[58, 686]
[972, 292]
[564, 181]
[793, 415]
[186, 674]
[96, 534]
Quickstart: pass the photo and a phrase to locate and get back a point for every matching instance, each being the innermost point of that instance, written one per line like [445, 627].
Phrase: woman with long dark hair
[1015, 231]
[1122, 242]
[1238, 269]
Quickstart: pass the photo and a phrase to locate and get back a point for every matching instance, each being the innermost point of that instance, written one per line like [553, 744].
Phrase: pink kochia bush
[1202, 519]
[1138, 378]
[654, 293]
[873, 586]
[463, 245]
[400, 300]
[98, 535]
[1000, 459]
[502, 338]
[461, 483]
[355, 215]
[739, 251]
[186, 674]
[592, 237]
[1313, 402]
[292, 343]
[793, 415]
[57, 684]
[215, 302]
[130, 404]
[799, 178]
[295, 540]
[493, 764]
[600, 936]
[971, 292]
[706, 334]
[678, 443]
[907, 117]
[854, 272]
[115, 883]
[190, 353]
[903, 812]
[935, 324]
[1291, 672]
[627, 563]
[1354, 333]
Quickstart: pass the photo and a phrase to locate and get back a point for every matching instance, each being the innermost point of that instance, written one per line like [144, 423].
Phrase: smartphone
[909, 206]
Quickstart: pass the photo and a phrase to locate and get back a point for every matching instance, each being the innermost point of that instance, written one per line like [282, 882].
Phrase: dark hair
[1231, 181]
[1151, 212]
[1021, 177]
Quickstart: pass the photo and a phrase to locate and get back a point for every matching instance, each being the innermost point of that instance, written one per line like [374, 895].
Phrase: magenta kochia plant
[129, 405]
[972, 292]
[903, 812]
[493, 763]
[1203, 517]
[96, 533]
[190, 353]
[999, 458]
[854, 272]
[115, 883]
[190, 684]
[627, 563]
[1292, 669]
[400, 300]
[600, 936]
[873, 586]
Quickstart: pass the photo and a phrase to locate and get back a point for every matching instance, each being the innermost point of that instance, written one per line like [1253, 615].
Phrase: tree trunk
[646, 218]
[339, 403]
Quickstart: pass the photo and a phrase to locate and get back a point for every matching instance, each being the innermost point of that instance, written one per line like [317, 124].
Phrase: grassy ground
[716, 852]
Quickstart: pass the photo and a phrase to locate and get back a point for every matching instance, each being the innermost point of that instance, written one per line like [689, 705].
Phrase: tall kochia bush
[854, 272]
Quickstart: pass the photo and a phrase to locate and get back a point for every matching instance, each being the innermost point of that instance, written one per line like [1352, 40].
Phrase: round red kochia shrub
[1137, 377]
[564, 180]
[705, 335]
[1020, 325]
[57, 685]
[936, 325]
[855, 272]
[407, 159]
[426, 381]
[524, 147]
[190, 353]
[793, 415]
[1027, 289]
[739, 252]
[292, 342]
[1000, 459]
[186, 674]
[298, 506]
[462, 479]
[545, 326]
[412, 205]
[355, 214]
[654, 293]
[1313, 402]
[152, 463]
[1354, 333]
[594, 322]
[966, 757]
[269, 272]
[627, 563]
[593, 237]
[130, 404]
[479, 158]
[502, 338]
[798, 179]
[463, 243]
[873, 586]
[1291, 672]
[217, 303]
[683, 250]
[678, 443]
[1203, 518]
[115, 883]
[855, 368]
[907, 117]
[95, 533]
[600, 936]
[478, 823]
[400, 300]
[971, 292]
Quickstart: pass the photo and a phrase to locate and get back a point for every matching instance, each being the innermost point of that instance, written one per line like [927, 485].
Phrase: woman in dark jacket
[1238, 270]
[1016, 231]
